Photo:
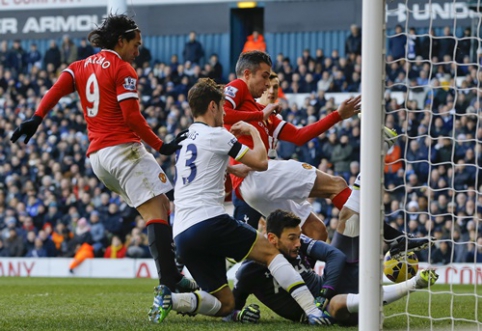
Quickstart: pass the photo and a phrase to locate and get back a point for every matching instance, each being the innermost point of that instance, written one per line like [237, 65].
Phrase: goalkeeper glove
[27, 128]
[324, 298]
[169, 148]
[249, 314]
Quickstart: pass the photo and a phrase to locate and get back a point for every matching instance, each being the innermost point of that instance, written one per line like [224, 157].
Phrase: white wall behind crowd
[456, 273]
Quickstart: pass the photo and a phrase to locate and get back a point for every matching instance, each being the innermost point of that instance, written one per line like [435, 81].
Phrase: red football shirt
[239, 102]
[102, 81]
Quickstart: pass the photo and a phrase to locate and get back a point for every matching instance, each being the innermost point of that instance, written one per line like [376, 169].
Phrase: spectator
[33, 58]
[15, 244]
[413, 44]
[16, 59]
[396, 43]
[193, 50]
[84, 50]
[474, 254]
[463, 46]
[97, 229]
[430, 46]
[68, 52]
[144, 58]
[53, 56]
[443, 254]
[446, 44]
[254, 42]
[353, 42]
[341, 158]
[47, 243]
[137, 245]
[38, 250]
[116, 250]
[4, 252]
[217, 68]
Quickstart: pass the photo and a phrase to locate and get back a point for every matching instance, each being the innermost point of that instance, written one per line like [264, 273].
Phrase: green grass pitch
[122, 304]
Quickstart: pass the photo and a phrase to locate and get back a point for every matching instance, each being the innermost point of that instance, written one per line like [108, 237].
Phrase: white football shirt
[200, 173]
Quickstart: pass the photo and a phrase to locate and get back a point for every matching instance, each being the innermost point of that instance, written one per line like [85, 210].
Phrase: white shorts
[353, 201]
[285, 185]
[130, 171]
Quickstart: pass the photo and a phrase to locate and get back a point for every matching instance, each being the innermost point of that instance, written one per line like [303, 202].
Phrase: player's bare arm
[256, 158]
[239, 170]
[350, 107]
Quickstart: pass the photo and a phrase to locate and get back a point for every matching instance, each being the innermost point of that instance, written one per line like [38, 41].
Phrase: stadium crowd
[51, 202]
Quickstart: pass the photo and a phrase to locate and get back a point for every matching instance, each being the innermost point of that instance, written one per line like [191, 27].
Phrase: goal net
[432, 175]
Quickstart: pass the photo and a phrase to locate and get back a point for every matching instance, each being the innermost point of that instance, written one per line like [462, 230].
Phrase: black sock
[348, 245]
[390, 233]
[162, 250]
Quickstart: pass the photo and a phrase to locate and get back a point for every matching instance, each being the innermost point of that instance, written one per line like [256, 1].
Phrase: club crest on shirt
[230, 91]
[307, 166]
[162, 177]
[130, 84]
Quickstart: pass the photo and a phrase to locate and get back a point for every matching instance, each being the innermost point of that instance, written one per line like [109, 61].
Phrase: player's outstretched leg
[162, 304]
[409, 243]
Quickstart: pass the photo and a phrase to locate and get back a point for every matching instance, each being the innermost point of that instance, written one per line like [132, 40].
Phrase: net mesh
[432, 174]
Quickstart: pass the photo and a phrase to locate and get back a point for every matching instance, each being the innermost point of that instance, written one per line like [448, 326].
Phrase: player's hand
[239, 170]
[324, 298]
[272, 108]
[350, 107]
[249, 314]
[241, 128]
[27, 128]
[171, 147]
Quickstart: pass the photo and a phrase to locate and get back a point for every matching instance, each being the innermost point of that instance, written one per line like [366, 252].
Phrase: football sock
[348, 245]
[391, 293]
[397, 291]
[340, 199]
[196, 302]
[352, 226]
[161, 248]
[390, 233]
[291, 281]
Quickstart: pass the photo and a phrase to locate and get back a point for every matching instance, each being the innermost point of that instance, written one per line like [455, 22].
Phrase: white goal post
[371, 212]
[453, 79]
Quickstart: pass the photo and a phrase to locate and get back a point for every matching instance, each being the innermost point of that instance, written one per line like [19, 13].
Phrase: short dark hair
[251, 60]
[112, 27]
[202, 93]
[279, 219]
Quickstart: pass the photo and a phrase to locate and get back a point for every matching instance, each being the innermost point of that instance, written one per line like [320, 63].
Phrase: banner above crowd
[36, 19]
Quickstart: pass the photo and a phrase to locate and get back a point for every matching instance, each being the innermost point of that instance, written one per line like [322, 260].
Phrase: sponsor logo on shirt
[232, 142]
[230, 91]
[130, 84]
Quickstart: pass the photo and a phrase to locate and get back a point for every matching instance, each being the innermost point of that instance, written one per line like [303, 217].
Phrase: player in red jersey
[286, 184]
[107, 86]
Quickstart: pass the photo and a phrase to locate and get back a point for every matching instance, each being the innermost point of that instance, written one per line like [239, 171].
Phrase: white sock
[391, 293]
[352, 302]
[208, 303]
[352, 226]
[184, 302]
[291, 281]
[397, 291]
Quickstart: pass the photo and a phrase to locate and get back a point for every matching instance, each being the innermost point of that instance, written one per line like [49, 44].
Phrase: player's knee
[165, 202]
[338, 310]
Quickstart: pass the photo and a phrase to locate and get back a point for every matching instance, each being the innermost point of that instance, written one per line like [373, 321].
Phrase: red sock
[158, 221]
[340, 199]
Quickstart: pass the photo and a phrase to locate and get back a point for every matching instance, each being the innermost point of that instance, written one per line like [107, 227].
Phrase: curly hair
[114, 26]
[202, 93]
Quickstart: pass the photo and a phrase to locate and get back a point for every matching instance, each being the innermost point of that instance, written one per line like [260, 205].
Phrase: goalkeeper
[335, 291]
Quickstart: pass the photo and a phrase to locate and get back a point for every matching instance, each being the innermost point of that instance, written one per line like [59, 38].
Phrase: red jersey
[239, 99]
[102, 81]
[241, 106]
